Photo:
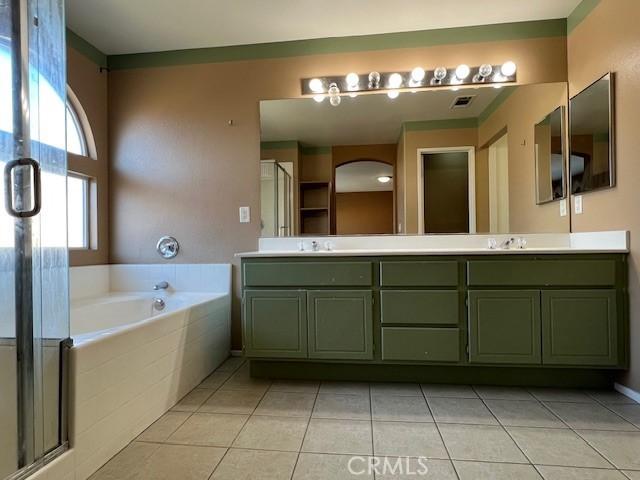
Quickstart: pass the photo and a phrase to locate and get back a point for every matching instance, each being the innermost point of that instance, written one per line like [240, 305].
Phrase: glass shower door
[34, 319]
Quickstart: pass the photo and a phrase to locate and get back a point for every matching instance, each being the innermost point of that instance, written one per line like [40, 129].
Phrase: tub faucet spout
[161, 286]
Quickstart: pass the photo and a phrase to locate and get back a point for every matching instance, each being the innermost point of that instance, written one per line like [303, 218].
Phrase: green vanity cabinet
[421, 344]
[421, 307]
[340, 324]
[275, 323]
[504, 326]
[580, 327]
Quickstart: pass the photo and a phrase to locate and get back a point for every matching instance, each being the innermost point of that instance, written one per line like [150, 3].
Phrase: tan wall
[400, 222]
[90, 87]
[482, 191]
[178, 167]
[518, 114]
[609, 40]
[288, 155]
[364, 213]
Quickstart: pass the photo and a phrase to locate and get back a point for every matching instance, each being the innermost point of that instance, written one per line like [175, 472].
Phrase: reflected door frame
[471, 165]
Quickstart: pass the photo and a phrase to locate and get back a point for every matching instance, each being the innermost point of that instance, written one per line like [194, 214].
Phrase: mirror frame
[564, 147]
[612, 138]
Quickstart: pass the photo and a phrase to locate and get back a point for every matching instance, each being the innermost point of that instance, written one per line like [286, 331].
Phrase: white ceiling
[134, 26]
[364, 120]
[363, 177]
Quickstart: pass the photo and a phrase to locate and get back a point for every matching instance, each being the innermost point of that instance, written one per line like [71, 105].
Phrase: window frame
[87, 210]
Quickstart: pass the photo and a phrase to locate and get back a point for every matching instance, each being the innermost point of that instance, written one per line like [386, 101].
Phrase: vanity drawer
[308, 274]
[421, 344]
[419, 274]
[437, 307]
[542, 272]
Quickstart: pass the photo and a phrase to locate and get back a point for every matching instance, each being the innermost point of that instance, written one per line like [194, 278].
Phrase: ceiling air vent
[462, 101]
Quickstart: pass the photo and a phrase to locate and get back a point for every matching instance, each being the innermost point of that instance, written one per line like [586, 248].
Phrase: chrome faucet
[315, 246]
[508, 243]
[161, 286]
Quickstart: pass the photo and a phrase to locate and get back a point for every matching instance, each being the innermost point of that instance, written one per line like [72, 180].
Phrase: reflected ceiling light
[335, 100]
[384, 178]
[462, 71]
[374, 80]
[439, 74]
[334, 95]
[485, 70]
[353, 95]
[318, 98]
[395, 80]
[315, 85]
[508, 68]
[393, 94]
[417, 74]
[353, 79]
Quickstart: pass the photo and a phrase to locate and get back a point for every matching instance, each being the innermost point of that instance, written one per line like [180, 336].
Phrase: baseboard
[236, 353]
[632, 394]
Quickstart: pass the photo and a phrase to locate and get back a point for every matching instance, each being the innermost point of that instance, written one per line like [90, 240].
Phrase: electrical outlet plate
[245, 215]
[577, 203]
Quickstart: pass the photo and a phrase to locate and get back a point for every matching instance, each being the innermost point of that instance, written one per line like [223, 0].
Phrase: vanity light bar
[418, 78]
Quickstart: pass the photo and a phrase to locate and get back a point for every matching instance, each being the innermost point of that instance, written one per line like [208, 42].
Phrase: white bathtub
[129, 363]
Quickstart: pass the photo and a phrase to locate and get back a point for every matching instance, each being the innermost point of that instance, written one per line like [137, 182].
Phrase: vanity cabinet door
[504, 326]
[340, 324]
[275, 323]
[580, 327]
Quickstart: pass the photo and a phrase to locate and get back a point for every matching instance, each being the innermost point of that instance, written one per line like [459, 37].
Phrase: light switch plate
[577, 203]
[245, 214]
[563, 207]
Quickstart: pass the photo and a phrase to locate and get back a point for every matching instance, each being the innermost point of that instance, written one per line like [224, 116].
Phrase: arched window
[76, 139]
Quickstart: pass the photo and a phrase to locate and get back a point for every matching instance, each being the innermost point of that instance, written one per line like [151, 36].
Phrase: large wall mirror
[430, 162]
[592, 159]
[550, 157]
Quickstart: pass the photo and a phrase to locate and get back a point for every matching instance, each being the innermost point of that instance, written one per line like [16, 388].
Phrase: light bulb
[462, 71]
[508, 68]
[353, 80]
[374, 80]
[485, 70]
[440, 73]
[315, 85]
[333, 90]
[318, 98]
[417, 74]
[384, 178]
[498, 77]
[335, 100]
[395, 80]
[393, 94]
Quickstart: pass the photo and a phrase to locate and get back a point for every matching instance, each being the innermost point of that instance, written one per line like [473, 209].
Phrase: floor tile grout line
[304, 436]
[444, 444]
[607, 407]
[606, 459]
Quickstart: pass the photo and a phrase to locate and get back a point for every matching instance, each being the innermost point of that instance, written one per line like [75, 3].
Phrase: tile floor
[233, 427]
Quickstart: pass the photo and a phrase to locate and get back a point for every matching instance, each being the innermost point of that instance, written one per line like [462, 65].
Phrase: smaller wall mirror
[592, 161]
[550, 157]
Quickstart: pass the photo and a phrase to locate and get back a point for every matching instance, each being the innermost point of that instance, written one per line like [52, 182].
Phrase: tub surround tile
[573, 473]
[286, 404]
[393, 408]
[354, 407]
[272, 433]
[522, 413]
[469, 411]
[590, 416]
[480, 443]
[316, 466]
[164, 427]
[232, 401]
[398, 389]
[338, 436]
[561, 447]
[295, 386]
[408, 439]
[210, 429]
[193, 400]
[490, 392]
[495, 471]
[622, 449]
[449, 391]
[255, 465]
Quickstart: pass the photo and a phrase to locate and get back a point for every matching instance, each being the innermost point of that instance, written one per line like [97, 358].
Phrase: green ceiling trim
[581, 12]
[386, 41]
[446, 124]
[309, 150]
[278, 145]
[78, 43]
[495, 104]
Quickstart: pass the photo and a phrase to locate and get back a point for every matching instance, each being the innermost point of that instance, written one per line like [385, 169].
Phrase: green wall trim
[471, 122]
[579, 13]
[495, 104]
[315, 150]
[279, 145]
[78, 43]
[386, 41]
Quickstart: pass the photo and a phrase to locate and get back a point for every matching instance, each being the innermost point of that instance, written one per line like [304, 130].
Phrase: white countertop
[377, 245]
